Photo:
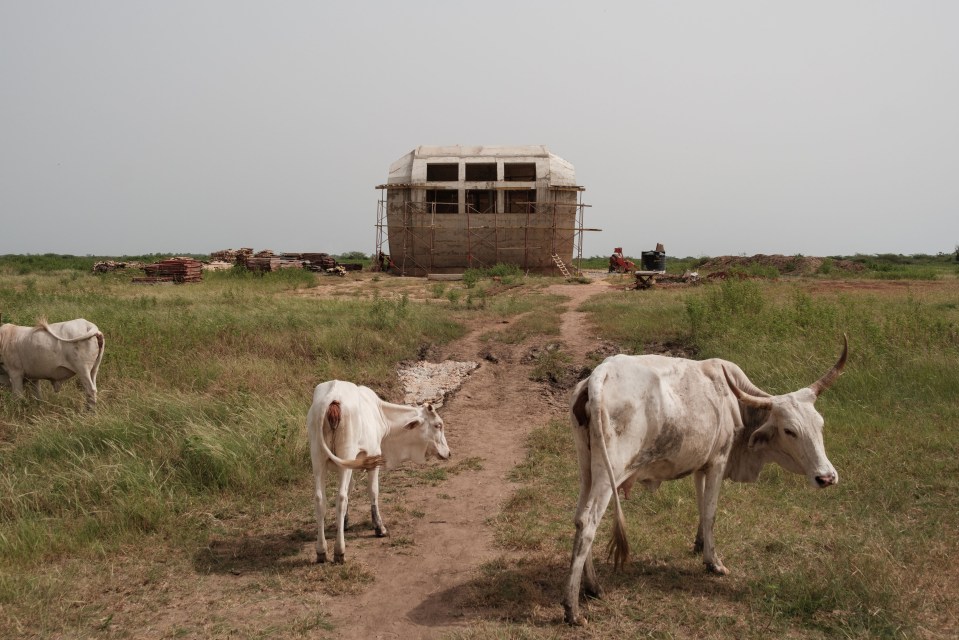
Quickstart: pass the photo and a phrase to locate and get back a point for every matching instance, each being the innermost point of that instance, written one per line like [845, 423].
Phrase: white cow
[654, 418]
[54, 352]
[355, 429]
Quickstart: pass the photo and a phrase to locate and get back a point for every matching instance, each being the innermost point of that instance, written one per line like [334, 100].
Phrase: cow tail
[42, 325]
[99, 338]
[362, 460]
[618, 547]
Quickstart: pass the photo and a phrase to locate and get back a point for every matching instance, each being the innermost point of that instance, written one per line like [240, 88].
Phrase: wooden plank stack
[233, 256]
[173, 270]
[264, 262]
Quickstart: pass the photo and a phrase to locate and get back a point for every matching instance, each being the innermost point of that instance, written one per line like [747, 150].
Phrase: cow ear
[762, 436]
[412, 425]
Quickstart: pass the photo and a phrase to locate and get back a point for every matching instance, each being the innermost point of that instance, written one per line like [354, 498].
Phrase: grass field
[869, 558]
[204, 389]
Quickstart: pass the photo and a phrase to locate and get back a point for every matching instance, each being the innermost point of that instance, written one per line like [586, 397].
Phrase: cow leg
[713, 482]
[34, 386]
[342, 501]
[699, 481]
[89, 387]
[349, 494]
[16, 384]
[378, 527]
[588, 516]
[590, 582]
[319, 501]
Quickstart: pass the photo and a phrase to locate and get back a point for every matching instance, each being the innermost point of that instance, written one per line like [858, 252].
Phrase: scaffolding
[528, 236]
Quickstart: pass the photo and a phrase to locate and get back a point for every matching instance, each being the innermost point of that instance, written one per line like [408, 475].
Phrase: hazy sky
[734, 127]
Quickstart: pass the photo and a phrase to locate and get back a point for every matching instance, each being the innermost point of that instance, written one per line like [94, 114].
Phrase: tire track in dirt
[487, 419]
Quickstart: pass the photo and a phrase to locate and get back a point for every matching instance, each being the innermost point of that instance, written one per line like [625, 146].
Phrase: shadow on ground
[529, 591]
[251, 553]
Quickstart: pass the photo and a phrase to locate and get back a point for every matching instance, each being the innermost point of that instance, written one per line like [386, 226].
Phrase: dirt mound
[787, 265]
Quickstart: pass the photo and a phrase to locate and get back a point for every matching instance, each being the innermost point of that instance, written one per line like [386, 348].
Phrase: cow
[350, 426]
[652, 418]
[54, 352]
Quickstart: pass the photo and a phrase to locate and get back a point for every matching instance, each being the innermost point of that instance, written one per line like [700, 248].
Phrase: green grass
[540, 317]
[199, 439]
[505, 273]
[868, 558]
[203, 390]
[51, 262]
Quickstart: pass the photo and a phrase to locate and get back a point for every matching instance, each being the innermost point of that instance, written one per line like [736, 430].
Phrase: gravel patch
[433, 381]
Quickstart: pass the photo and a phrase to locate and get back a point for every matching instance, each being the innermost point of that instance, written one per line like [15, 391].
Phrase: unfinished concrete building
[448, 209]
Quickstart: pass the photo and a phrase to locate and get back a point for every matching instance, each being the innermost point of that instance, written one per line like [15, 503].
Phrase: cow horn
[826, 381]
[745, 398]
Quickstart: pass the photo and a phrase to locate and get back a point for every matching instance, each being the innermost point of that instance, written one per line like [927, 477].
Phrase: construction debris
[318, 262]
[267, 260]
[107, 266]
[217, 265]
[433, 381]
[233, 256]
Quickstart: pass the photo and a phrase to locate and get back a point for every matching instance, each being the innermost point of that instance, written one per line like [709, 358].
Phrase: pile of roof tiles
[173, 270]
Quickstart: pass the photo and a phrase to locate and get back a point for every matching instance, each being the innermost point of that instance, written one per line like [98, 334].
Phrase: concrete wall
[449, 238]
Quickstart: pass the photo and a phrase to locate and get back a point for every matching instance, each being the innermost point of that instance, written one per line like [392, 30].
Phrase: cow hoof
[574, 619]
[380, 532]
[321, 558]
[339, 558]
[717, 569]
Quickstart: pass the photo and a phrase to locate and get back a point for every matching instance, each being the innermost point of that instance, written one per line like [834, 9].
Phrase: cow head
[431, 430]
[791, 434]
[420, 435]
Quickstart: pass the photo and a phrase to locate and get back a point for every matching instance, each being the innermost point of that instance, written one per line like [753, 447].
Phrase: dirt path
[487, 420]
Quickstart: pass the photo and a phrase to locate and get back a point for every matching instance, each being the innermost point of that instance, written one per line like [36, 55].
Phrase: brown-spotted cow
[350, 426]
[652, 418]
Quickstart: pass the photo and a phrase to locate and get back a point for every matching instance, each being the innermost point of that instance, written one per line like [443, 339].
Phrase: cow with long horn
[652, 418]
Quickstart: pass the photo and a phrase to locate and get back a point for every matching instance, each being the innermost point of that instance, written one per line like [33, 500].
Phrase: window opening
[442, 172]
[443, 200]
[519, 172]
[481, 171]
[520, 201]
[481, 200]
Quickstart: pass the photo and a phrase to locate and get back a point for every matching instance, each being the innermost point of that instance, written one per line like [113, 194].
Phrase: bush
[507, 273]
[353, 256]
